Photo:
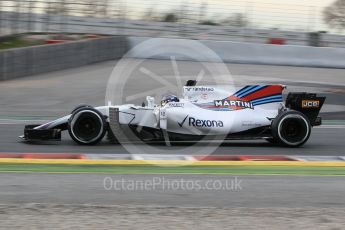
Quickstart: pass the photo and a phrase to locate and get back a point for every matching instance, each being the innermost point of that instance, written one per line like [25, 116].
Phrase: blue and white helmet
[169, 98]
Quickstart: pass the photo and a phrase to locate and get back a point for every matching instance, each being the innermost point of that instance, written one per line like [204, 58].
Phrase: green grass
[113, 169]
[17, 42]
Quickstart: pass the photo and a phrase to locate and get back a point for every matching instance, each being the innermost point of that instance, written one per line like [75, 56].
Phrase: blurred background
[314, 23]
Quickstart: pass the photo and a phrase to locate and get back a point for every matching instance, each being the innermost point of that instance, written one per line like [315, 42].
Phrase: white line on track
[330, 127]
[20, 122]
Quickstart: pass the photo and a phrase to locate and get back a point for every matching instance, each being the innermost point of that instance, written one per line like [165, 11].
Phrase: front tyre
[291, 128]
[81, 106]
[87, 126]
[272, 141]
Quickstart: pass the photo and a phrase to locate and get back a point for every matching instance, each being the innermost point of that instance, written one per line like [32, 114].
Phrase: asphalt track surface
[48, 96]
[57, 93]
[174, 190]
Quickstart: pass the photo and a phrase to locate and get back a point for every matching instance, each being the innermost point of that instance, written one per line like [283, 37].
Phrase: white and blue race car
[203, 112]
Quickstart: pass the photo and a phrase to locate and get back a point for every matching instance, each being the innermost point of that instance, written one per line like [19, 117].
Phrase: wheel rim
[293, 129]
[87, 126]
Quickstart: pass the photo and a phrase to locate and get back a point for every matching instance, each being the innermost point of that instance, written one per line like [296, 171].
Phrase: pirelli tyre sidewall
[87, 126]
[291, 128]
[81, 106]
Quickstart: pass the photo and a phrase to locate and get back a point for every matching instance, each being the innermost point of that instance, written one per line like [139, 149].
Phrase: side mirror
[191, 83]
[150, 102]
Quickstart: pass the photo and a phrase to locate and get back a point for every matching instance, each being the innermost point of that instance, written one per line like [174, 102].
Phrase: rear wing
[307, 103]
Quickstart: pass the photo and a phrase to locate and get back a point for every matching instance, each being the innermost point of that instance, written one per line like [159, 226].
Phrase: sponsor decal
[201, 123]
[250, 124]
[204, 96]
[234, 103]
[181, 124]
[246, 98]
[204, 123]
[310, 104]
[200, 89]
[163, 115]
[176, 104]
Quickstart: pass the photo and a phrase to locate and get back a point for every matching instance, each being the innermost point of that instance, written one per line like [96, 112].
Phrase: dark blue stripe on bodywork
[253, 90]
[268, 101]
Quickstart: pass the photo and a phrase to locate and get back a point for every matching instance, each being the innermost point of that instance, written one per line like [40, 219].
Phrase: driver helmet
[169, 98]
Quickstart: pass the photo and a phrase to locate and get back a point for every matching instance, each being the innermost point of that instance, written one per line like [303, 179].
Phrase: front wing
[32, 134]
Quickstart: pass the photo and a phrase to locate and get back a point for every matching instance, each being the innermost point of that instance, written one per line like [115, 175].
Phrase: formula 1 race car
[203, 112]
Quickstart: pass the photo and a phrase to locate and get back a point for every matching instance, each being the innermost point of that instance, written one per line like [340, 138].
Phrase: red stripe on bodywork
[268, 91]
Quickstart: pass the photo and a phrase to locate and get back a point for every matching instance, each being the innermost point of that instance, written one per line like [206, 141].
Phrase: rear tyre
[87, 126]
[291, 128]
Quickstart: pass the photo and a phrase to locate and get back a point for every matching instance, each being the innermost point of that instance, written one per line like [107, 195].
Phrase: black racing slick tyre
[81, 106]
[272, 141]
[291, 128]
[87, 126]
